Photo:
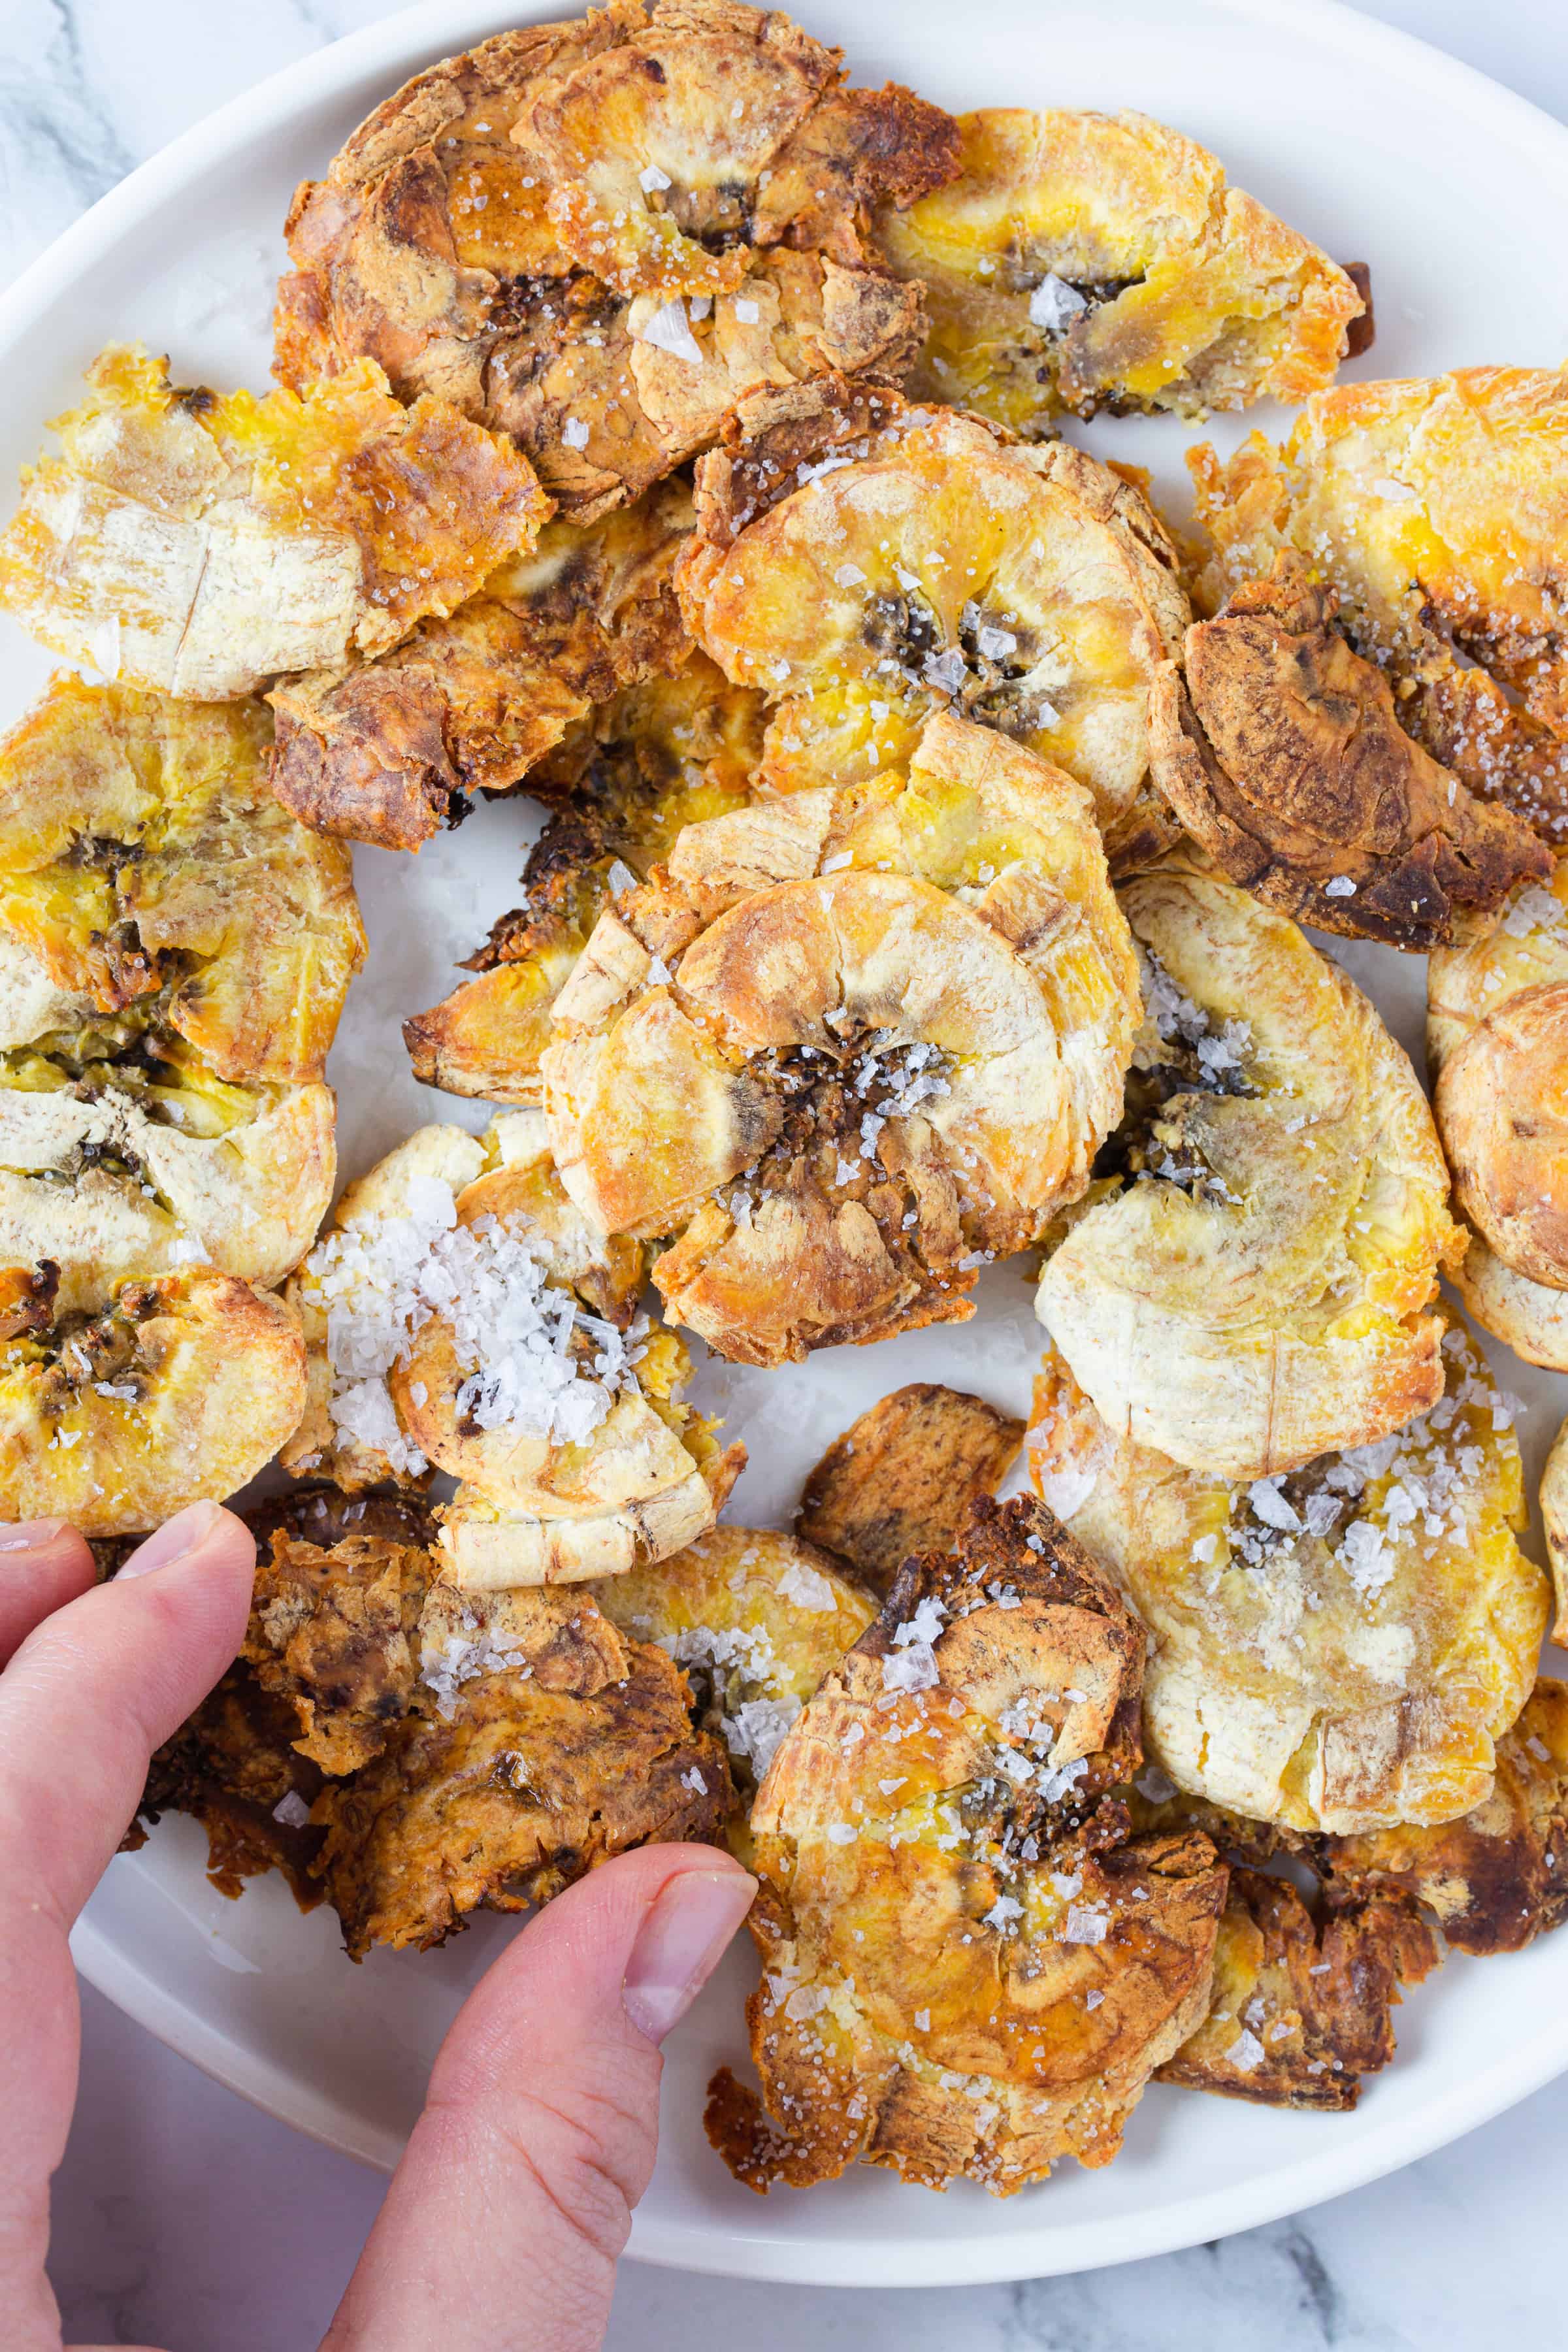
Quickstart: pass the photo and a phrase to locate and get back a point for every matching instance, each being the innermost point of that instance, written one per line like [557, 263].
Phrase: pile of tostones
[676, 439]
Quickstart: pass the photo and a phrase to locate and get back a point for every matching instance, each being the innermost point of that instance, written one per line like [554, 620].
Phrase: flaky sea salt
[756, 1729]
[1534, 909]
[1270, 1505]
[1365, 1557]
[535, 1360]
[807, 1588]
[463, 1657]
[669, 329]
[1054, 304]
[945, 671]
[996, 645]
[914, 1669]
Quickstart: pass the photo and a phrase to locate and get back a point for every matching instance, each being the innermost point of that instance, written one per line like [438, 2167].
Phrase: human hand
[502, 2224]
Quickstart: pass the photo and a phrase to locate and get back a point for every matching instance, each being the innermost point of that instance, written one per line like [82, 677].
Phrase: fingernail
[679, 1943]
[33, 1534]
[175, 1539]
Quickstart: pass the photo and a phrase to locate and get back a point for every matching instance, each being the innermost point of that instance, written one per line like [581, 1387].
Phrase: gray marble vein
[185, 2218]
[59, 150]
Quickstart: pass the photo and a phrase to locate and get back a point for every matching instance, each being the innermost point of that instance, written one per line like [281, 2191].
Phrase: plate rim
[397, 43]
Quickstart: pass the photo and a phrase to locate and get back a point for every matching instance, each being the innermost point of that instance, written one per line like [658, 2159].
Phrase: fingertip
[220, 1538]
[578, 1952]
[688, 1928]
[43, 1565]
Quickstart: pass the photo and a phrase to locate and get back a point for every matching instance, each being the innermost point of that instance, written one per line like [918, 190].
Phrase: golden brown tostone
[1301, 2008]
[971, 1968]
[901, 1477]
[1281, 753]
[606, 237]
[393, 749]
[432, 1752]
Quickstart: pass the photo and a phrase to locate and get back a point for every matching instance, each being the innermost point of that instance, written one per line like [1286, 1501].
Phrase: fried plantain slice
[902, 1477]
[755, 1619]
[141, 853]
[1496, 1041]
[969, 1969]
[604, 238]
[1272, 1214]
[181, 1389]
[461, 1312]
[925, 564]
[392, 750]
[333, 1634]
[1436, 509]
[849, 1046]
[200, 543]
[658, 757]
[349, 1433]
[1553, 1498]
[364, 1735]
[1496, 1878]
[232, 1766]
[325, 1515]
[1084, 261]
[123, 1156]
[1281, 752]
[543, 1743]
[1301, 2008]
[1532, 1318]
[1338, 1650]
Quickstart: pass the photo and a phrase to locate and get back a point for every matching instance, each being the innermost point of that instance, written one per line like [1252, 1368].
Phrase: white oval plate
[1386, 151]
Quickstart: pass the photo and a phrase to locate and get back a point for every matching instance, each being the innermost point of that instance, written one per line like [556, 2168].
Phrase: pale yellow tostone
[1338, 1650]
[438, 1155]
[174, 953]
[671, 752]
[202, 543]
[1256, 1289]
[1423, 500]
[1030, 589]
[529, 1510]
[124, 1155]
[1082, 261]
[1496, 1041]
[1554, 1518]
[143, 857]
[727, 1066]
[180, 1390]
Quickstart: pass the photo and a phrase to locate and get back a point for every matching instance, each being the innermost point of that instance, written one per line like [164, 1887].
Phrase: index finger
[88, 1697]
[100, 1684]
[44, 1563]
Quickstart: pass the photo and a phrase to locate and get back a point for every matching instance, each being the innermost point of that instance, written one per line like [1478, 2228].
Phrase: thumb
[504, 2221]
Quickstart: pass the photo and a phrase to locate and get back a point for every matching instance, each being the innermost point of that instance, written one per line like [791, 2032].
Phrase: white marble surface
[186, 2220]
